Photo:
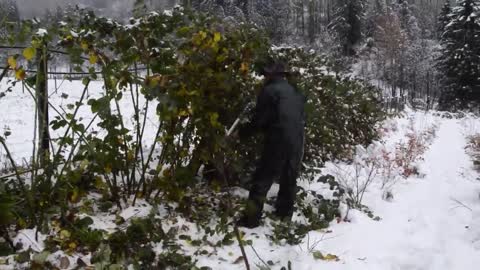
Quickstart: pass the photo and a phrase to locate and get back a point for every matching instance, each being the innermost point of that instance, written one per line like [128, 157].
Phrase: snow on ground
[424, 227]
[432, 221]
[18, 113]
[27, 239]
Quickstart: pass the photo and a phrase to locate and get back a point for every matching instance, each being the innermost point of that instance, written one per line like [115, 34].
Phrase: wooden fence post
[41, 93]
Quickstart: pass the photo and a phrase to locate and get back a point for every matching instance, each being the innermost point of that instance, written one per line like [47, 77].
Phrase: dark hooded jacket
[279, 115]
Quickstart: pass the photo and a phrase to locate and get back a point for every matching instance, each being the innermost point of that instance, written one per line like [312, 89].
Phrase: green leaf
[31, 81]
[85, 81]
[41, 257]
[5, 249]
[115, 267]
[102, 255]
[317, 255]
[58, 124]
[84, 223]
[23, 257]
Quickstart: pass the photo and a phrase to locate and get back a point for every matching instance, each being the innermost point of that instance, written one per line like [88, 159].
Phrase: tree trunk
[41, 94]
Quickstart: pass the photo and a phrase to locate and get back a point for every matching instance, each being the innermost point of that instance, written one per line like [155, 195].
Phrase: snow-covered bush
[198, 74]
[341, 112]
[407, 154]
[365, 169]
[194, 71]
[474, 149]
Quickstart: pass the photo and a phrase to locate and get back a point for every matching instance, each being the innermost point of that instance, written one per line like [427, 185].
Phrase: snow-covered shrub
[198, 74]
[407, 154]
[474, 149]
[341, 112]
[364, 170]
[389, 170]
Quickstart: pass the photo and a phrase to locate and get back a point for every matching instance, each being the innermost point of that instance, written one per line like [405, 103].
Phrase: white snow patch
[142, 209]
[42, 32]
[26, 238]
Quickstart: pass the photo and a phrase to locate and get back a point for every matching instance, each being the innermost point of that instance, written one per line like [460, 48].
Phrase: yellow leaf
[21, 223]
[12, 62]
[84, 45]
[74, 198]
[244, 67]
[29, 53]
[93, 58]
[130, 155]
[64, 234]
[72, 245]
[55, 224]
[108, 168]
[217, 37]
[183, 112]
[214, 119]
[329, 257]
[99, 184]
[20, 74]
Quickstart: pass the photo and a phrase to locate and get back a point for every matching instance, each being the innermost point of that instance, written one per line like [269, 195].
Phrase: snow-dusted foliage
[460, 56]
[196, 73]
[399, 55]
[347, 24]
[137, 172]
[341, 111]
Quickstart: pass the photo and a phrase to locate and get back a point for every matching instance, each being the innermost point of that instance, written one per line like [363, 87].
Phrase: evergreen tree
[443, 19]
[347, 24]
[460, 60]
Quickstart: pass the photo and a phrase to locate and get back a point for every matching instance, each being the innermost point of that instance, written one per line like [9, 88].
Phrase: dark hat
[275, 68]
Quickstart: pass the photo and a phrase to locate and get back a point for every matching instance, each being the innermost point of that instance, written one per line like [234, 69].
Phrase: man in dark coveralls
[279, 115]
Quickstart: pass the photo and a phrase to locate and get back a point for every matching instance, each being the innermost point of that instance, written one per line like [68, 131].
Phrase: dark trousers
[277, 162]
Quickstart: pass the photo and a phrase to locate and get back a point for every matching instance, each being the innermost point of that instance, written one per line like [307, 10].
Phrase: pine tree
[347, 24]
[443, 19]
[460, 60]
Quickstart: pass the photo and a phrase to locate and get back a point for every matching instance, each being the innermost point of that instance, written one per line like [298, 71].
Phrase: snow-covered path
[425, 227]
[432, 223]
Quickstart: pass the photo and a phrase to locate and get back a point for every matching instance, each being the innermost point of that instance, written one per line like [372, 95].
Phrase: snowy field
[428, 221]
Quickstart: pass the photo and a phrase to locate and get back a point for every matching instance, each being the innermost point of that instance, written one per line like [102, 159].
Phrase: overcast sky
[29, 8]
